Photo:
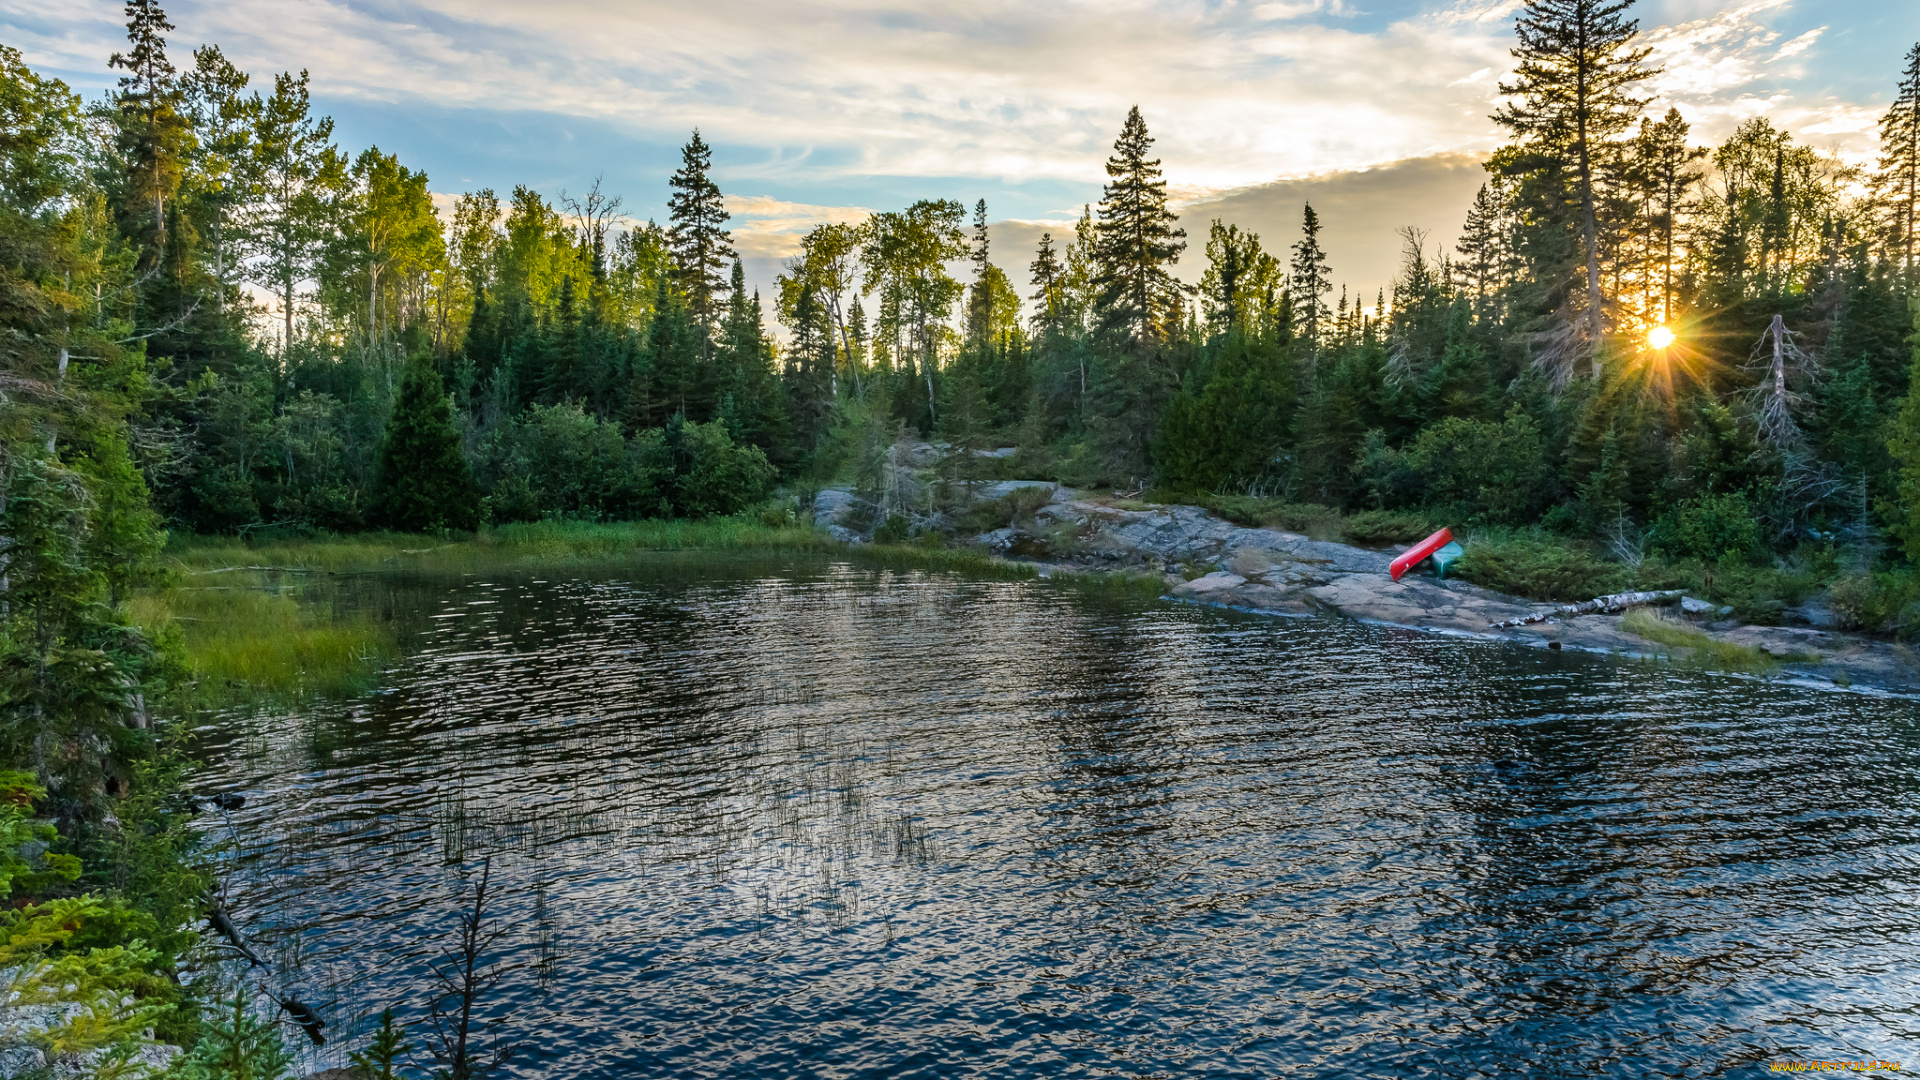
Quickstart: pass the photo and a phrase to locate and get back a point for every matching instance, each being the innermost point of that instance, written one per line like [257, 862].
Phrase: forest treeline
[589, 366]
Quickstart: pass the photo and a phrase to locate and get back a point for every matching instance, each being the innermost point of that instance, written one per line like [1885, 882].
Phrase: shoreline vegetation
[255, 625]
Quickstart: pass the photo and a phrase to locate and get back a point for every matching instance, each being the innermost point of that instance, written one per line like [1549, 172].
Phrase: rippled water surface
[811, 820]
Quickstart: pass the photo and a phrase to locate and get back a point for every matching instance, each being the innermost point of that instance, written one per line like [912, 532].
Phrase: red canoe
[1412, 556]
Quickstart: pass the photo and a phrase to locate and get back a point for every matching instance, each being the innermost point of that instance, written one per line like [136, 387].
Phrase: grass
[542, 543]
[243, 641]
[256, 621]
[1701, 648]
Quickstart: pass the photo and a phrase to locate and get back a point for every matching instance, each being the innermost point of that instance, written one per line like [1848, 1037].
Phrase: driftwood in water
[1599, 605]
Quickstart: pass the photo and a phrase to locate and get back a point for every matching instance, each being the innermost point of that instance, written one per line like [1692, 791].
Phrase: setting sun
[1659, 337]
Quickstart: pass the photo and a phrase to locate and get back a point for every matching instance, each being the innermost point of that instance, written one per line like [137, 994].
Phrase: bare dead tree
[459, 983]
[1780, 362]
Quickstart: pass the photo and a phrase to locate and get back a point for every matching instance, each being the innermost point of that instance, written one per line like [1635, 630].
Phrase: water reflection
[806, 820]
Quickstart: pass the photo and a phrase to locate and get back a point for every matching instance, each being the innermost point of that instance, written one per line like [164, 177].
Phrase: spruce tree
[1136, 241]
[701, 248]
[423, 482]
[979, 296]
[1480, 251]
[1311, 280]
[1048, 275]
[1666, 170]
[153, 135]
[1571, 99]
[1898, 181]
[1904, 442]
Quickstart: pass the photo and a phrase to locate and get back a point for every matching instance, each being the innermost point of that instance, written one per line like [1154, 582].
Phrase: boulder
[831, 504]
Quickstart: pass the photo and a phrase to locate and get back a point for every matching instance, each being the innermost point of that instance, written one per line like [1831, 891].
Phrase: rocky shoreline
[1208, 560]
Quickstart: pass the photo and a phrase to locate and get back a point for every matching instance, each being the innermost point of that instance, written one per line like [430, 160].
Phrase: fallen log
[1599, 605]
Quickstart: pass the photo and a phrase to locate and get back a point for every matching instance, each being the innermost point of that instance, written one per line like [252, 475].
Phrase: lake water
[806, 819]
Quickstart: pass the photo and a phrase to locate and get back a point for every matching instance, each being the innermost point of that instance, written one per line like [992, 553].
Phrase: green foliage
[555, 461]
[384, 1050]
[105, 998]
[424, 483]
[1700, 648]
[696, 471]
[1903, 442]
[236, 1044]
[1311, 519]
[1229, 428]
[1483, 472]
[1538, 568]
[1371, 528]
[1714, 527]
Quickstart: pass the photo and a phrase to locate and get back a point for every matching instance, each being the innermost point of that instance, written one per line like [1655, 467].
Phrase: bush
[1017, 505]
[1373, 527]
[696, 471]
[555, 461]
[895, 530]
[1883, 601]
[1716, 527]
[1312, 519]
[1539, 570]
[1475, 470]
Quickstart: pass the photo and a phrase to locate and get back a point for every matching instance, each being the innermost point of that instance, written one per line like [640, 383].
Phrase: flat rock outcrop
[1271, 570]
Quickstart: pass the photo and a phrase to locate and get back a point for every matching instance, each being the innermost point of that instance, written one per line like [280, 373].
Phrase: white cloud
[769, 228]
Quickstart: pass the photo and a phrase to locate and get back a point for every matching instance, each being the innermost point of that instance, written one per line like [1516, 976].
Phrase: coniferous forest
[1647, 361]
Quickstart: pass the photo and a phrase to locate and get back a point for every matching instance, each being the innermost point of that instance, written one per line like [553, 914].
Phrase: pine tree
[979, 296]
[423, 483]
[1311, 280]
[1903, 442]
[701, 248]
[1898, 181]
[1577, 62]
[1048, 275]
[1482, 249]
[153, 135]
[1665, 166]
[385, 1050]
[1136, 241]
[223, 173]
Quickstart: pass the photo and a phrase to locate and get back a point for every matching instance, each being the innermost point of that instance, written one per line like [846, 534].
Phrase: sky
[1374, 110]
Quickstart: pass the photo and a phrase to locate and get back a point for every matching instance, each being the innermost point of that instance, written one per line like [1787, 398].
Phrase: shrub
[556, 461]
[1716, 527]
[1475, 470]
[1312, 519]
[696, 471]
[895, 530]
[1539, 569]
[1372, 527]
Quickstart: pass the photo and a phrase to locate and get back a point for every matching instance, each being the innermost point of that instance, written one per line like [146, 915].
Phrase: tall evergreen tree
[979, 295]
[1137, 242]
[1571, 100]
[1898, 181]
[1903, 442]
[701, 247]
[1312, 280]
[423, 482]
[222, 164]
[1481, 248]
[1666, 171]
[1048, 277]
[152, 135]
